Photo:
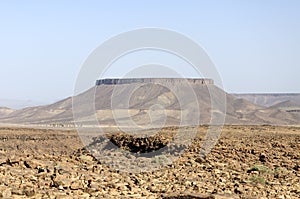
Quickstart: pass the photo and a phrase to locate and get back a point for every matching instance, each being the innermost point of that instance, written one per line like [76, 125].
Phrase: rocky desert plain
[247, 162]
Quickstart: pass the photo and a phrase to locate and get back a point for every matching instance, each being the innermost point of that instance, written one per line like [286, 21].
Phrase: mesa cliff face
[200, 81]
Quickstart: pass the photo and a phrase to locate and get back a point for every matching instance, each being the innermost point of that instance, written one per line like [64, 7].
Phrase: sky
[255, 45]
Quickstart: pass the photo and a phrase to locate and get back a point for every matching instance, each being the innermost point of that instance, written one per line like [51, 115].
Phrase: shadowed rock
[140, 144]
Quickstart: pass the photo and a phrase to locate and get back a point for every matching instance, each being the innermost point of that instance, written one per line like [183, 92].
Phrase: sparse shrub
[261, 169]
[257, 179]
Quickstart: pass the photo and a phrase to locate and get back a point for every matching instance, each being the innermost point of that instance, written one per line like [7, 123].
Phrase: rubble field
[247, 162]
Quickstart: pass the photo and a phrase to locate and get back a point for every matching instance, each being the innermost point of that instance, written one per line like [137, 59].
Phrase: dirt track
[247, 162]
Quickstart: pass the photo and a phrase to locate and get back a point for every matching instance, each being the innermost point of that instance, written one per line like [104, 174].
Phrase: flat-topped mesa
[200, 81]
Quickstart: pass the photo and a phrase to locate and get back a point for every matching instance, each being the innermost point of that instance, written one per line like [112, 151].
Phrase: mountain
[152, 103]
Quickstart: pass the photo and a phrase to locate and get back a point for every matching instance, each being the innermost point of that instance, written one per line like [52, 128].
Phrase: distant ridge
[286, 104]
[19, 104]
[269, 99]
[4, 111]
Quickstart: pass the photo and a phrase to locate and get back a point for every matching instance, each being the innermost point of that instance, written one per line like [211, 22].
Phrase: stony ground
[247, 162]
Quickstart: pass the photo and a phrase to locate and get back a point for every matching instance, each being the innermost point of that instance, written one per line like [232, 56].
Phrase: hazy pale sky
[255, 45]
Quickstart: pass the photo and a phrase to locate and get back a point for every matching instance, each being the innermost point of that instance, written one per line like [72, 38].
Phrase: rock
[262, 157]
[75, 185]
[225, 197]
[28, 191]
[6, 193]
[87, 159]
[200, 160]
[41, 169]
[18, 192]
[297, 167]
[238, 191]
[228, 192]
[187, 196]
[27, 165]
